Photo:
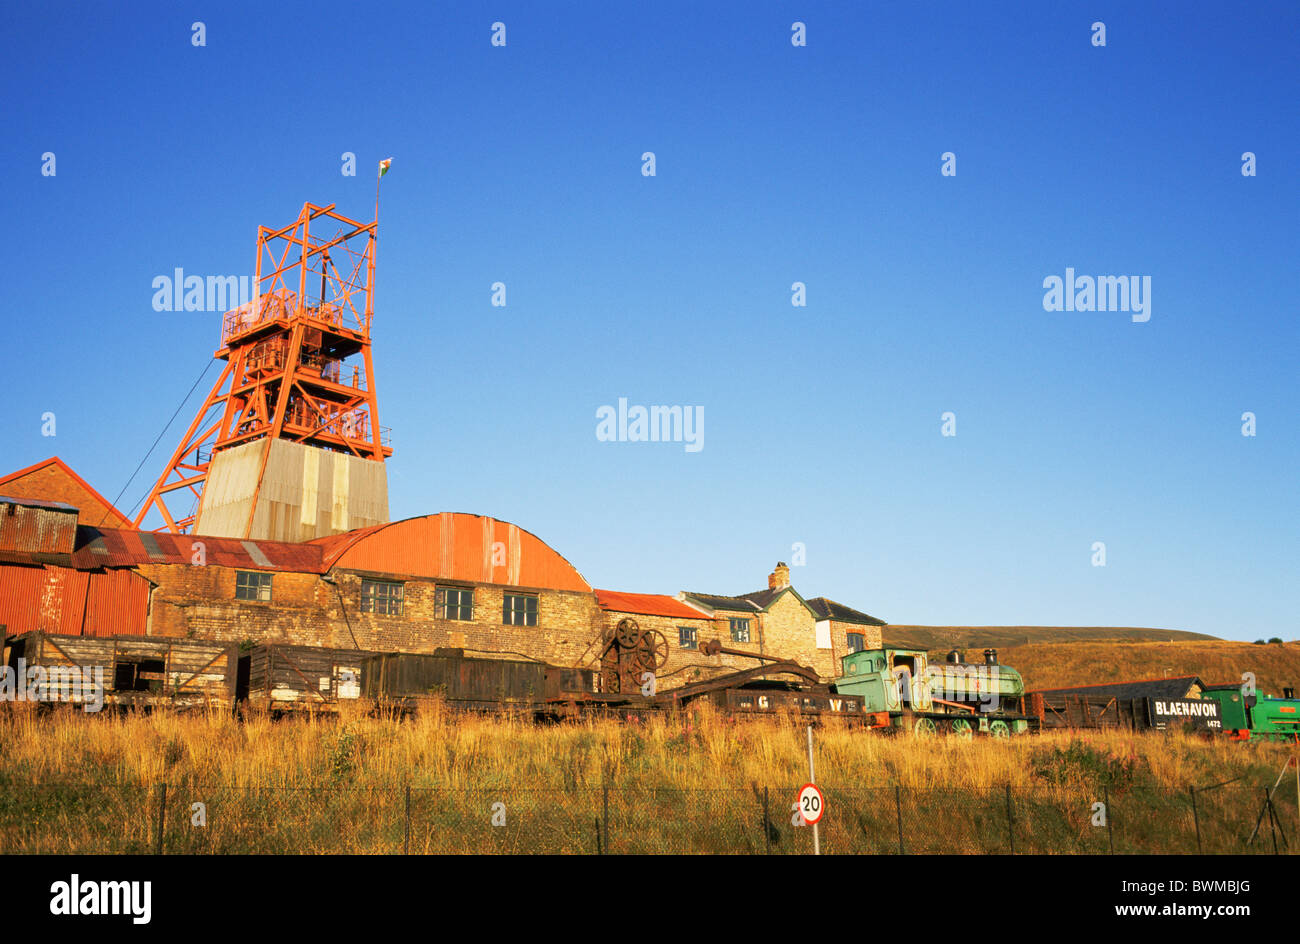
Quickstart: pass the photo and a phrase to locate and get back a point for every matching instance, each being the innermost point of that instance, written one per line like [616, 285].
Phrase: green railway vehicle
[901, 689]
[1257, 717]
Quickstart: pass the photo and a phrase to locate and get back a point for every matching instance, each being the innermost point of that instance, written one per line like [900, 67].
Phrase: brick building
[443, 580]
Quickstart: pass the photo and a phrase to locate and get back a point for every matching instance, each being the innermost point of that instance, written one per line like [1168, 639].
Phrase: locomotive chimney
[954, 657]
[990, 657]
[779, 579]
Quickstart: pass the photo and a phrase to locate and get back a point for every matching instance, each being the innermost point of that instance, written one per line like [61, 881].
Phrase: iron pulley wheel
[653, 652]
[628, 633]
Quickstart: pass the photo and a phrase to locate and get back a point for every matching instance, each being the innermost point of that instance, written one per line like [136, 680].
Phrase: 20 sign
[811, 803]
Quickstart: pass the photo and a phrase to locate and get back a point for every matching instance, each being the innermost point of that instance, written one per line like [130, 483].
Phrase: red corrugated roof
[109, 547]
[646, 604]
[454, 545]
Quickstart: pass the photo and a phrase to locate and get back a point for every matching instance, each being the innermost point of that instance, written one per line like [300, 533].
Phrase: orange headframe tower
[288, 444]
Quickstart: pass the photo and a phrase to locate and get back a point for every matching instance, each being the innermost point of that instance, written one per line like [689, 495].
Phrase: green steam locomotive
[902, 690]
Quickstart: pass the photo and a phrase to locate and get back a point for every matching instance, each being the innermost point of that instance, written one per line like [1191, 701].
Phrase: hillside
[1060, 664]
[978, 637]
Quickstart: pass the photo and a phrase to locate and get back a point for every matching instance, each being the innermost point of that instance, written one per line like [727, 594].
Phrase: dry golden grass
[78, 783]
[447, 749]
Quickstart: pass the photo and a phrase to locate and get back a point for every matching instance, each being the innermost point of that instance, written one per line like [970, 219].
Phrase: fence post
[767, 826]
[162, 819]
[1011, 833]
[406, 837]
[605, 820]
[1196, 818]
[1110, 835]
[898, 807]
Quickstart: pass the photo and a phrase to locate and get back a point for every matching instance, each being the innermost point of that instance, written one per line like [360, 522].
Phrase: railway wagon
[902, 690]
[278, 677]
[1257, 717]
[760, 699]
[124, 671]
[406, 681]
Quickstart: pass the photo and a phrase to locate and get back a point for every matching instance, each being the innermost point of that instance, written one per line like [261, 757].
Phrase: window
[688, 637]
[856, 642]
[251, 585]
[455, 604]
[382, 597]
[739, 630]
[519, 609]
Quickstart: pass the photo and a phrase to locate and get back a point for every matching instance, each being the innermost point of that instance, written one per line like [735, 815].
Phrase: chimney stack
[779, 579]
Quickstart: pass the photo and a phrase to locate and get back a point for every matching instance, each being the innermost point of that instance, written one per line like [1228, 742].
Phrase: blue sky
[774, 164]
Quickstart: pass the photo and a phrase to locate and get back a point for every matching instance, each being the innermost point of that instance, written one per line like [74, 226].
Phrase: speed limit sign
[811, 803]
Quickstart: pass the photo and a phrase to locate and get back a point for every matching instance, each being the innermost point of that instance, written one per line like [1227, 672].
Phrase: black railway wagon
[1074, 710]
[279, 677]
[404, 680]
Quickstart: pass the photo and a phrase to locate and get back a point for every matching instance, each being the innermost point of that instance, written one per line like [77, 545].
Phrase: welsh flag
[384, 165]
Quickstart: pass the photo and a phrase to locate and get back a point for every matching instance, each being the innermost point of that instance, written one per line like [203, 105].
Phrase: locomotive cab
[888, 679]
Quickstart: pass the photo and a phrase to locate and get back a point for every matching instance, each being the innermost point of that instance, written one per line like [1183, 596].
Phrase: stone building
[444, 580]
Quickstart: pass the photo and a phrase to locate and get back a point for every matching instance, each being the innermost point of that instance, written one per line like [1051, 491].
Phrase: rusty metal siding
[68, 602]
[456, 546]
[117, 605]
[37, 527]
[20, 596]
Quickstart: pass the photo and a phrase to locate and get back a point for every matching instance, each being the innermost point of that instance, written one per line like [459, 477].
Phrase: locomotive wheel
[628, 633]
[924, 728]
[999, 729]
[652, 655]
[961, 728]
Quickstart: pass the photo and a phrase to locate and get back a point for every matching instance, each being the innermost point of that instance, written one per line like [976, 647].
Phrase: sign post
[811, 802]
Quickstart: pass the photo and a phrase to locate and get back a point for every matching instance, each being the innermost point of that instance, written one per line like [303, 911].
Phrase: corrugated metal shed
[108, 547]
[56, 599]
[31, 526]
[646, 604]
[456, 546]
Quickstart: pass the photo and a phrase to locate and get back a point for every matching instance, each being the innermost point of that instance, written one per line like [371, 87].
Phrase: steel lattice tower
[298, 369]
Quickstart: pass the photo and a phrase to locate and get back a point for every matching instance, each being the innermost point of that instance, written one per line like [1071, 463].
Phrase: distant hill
[980, 637]
[1217, 662]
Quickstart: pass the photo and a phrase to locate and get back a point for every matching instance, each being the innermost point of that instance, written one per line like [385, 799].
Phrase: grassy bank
[82, 783]
[1061, 664]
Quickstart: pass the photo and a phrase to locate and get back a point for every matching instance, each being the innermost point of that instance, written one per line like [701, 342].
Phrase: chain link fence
[507, 819]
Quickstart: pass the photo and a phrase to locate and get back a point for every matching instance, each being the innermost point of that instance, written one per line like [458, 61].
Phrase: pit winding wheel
[628, 653]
